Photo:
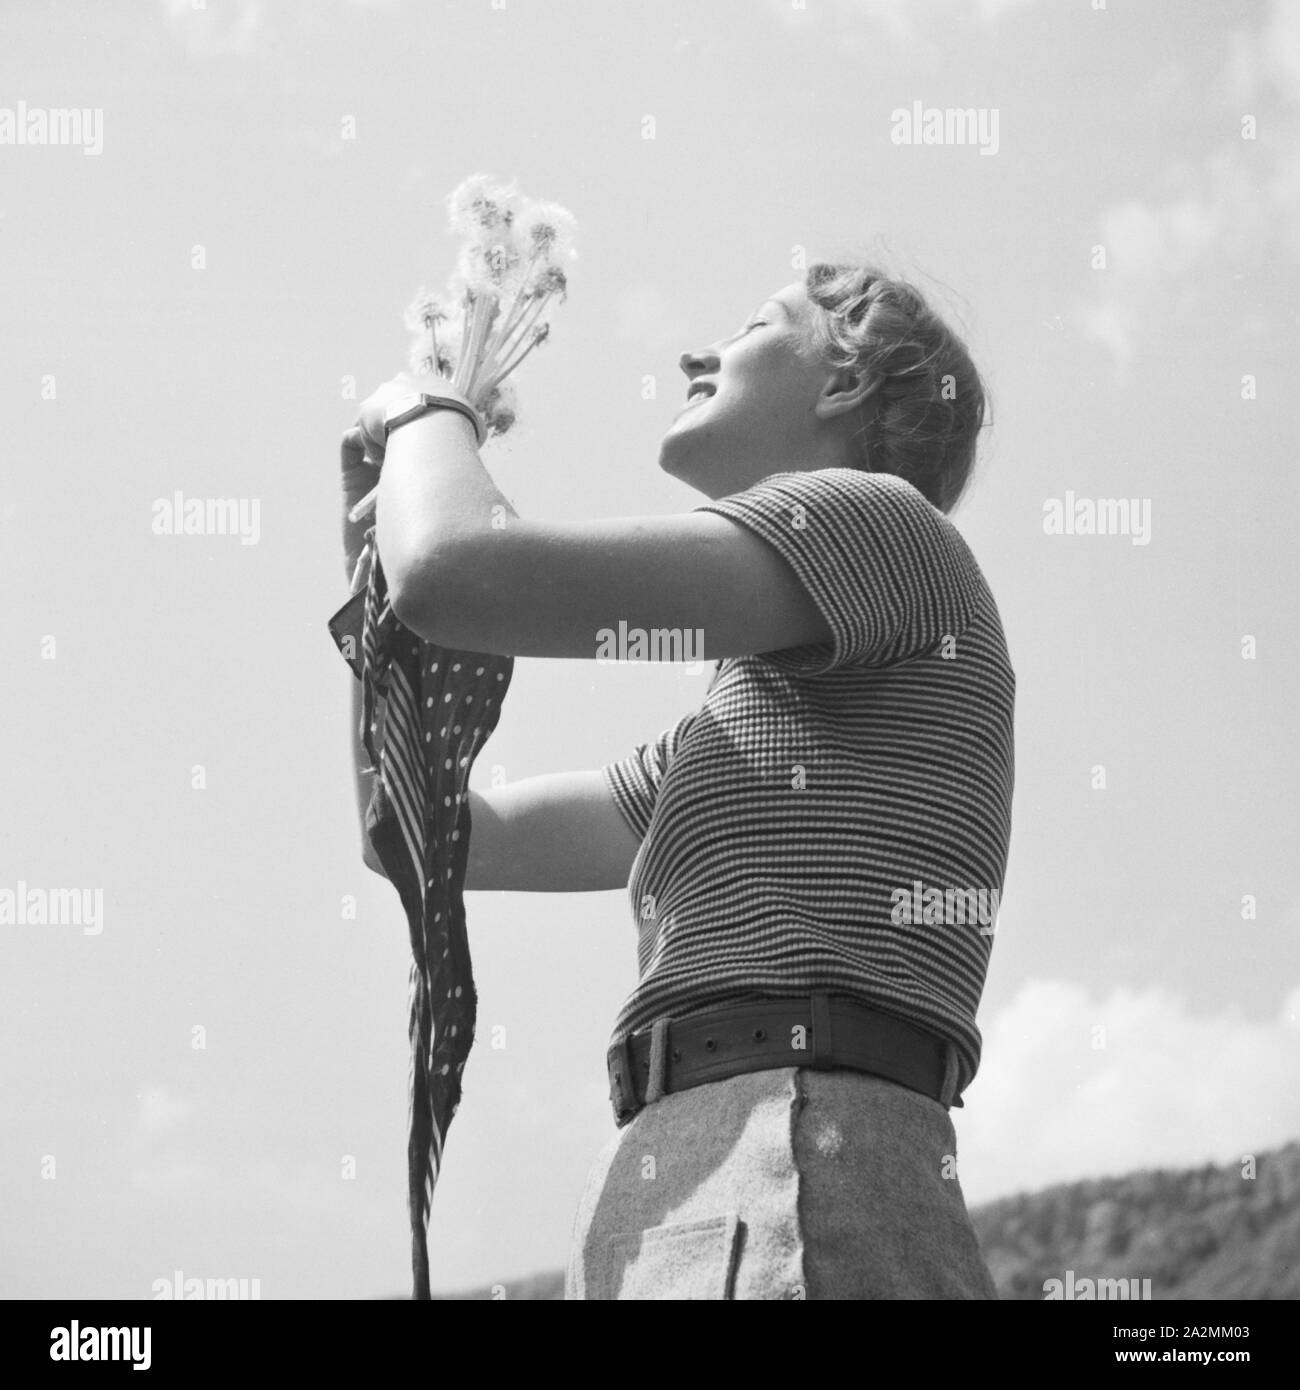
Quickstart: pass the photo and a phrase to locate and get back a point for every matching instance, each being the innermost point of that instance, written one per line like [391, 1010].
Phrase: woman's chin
[690, 464]
[673, 459]
[682, 443]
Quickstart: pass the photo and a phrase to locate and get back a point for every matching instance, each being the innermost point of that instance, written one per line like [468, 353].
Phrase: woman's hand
[364, 447]
[361, 454]
[370, 418]
[358, 478]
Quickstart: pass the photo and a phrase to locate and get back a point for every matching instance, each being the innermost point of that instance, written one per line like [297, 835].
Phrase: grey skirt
[790, 1183]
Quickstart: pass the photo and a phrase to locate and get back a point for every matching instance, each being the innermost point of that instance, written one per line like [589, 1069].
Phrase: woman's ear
[845, 389]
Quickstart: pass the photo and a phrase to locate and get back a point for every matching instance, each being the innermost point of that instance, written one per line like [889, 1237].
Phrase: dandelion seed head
[424, 362]
[499, 408]
[468, 202]
[425, 310]
[509, 264]
[501, 209]
[548, 229]
[501, 260]
[436, 340]
[550, 280]
[479, 207]
[499, 421]
[491, 267]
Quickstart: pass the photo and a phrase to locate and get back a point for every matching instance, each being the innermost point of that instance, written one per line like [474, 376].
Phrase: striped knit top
[795, 828]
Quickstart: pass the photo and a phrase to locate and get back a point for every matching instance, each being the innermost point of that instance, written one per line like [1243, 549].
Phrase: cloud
[176, 1147]
[215, 30]
[159, 1145]
[313, 1190]
[1166, 1088]
[239, 28]
[907, 23]
[1281, 46]
[1242, 201]
[855, 25]
[161, 1111]
[990, 11]
[172, 1175]
[1146, 243]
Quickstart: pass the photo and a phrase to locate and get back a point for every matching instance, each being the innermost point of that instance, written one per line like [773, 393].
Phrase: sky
[194, 295]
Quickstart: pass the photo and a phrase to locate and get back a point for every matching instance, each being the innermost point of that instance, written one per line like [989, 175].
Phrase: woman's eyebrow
[778, 304]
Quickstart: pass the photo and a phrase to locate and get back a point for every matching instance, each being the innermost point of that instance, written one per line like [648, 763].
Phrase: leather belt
[810, 1031]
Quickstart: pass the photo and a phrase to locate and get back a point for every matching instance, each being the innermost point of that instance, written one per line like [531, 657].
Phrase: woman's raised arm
[465, 571]
[560, 833]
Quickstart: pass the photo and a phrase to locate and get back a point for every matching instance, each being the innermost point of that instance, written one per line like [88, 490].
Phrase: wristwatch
[407, 408]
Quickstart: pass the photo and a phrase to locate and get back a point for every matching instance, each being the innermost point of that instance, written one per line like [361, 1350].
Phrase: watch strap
[423, 402]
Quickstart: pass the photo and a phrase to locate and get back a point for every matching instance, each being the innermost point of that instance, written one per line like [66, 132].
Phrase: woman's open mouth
[700, 391]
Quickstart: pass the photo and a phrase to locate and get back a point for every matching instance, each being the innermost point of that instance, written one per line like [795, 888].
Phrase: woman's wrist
[372, 417]
[448, 401]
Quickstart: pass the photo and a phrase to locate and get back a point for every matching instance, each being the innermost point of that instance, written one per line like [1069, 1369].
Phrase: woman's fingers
[366, 440]
[355, 449]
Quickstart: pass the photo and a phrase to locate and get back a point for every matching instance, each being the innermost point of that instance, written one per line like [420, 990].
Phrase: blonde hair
[923, 420]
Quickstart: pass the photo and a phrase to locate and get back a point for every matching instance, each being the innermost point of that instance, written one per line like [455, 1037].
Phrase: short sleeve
[634, 781]
[888, 571]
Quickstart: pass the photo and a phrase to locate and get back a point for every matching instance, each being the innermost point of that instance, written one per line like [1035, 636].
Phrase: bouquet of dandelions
[510, 269]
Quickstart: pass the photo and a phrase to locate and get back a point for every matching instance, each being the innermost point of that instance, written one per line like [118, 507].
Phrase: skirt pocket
[683, 1260]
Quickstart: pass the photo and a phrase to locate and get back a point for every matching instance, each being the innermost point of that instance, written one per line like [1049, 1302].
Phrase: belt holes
[677, 1056]
[710, 1045]
[760, 1035]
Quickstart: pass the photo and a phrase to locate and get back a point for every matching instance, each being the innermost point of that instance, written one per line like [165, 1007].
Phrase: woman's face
[754, 412]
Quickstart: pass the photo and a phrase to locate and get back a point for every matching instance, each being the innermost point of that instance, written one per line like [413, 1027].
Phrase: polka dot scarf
[427, 711]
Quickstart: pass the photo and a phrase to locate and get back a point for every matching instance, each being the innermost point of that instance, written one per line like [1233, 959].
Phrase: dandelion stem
[505, 327]
[470, 342]
[364, 508]
[506, 368]
[485, 307]
[526, 321]
[464, 368]
[517, 305]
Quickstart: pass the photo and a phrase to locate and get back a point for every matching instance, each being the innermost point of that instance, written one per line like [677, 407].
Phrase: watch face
[403, 405]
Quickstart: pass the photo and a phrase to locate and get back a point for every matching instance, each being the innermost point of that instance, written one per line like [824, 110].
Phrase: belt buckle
[622, 1082]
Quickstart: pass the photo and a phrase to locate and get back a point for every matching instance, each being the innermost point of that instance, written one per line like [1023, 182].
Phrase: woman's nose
[694, 362]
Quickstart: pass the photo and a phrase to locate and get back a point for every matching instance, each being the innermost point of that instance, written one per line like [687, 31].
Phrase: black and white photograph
[646, 659]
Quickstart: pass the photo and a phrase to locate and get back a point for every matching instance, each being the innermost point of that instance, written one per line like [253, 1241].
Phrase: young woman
[804, 852]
